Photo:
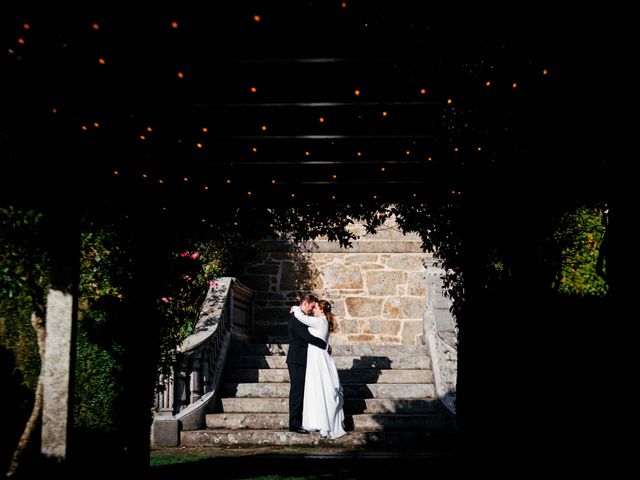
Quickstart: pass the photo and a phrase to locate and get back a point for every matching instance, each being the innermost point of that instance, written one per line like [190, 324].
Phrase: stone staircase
[389, 398]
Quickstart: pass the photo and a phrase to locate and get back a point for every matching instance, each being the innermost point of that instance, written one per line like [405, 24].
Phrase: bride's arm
[309, 321]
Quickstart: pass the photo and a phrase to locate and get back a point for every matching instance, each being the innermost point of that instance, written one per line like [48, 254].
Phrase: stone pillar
[60, 333]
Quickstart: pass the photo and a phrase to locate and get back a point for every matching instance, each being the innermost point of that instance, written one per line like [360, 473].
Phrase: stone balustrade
[187, 392]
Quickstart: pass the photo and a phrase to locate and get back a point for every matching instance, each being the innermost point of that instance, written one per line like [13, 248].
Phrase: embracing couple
[315, 400]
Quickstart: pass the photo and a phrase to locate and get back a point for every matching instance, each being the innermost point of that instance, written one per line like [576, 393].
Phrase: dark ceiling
[274, 102]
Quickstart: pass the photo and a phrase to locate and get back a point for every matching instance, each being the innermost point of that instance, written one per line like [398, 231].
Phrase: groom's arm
[302, 331]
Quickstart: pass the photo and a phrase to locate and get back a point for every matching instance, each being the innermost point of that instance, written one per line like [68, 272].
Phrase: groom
[299, 340]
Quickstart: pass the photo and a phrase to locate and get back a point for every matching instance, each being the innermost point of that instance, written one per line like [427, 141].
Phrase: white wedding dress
[323, 406]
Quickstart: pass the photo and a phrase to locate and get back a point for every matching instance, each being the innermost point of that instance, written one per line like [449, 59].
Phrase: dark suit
[299, 340]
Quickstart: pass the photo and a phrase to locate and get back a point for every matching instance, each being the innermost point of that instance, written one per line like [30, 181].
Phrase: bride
[323, 398]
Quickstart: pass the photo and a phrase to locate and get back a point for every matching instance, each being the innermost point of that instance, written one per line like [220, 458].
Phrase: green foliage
[17, 336]
[189, 272]
[98, 368]
[23, 278]
[579, 238]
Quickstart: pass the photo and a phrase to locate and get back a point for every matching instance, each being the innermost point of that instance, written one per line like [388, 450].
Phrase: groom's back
[297, 345]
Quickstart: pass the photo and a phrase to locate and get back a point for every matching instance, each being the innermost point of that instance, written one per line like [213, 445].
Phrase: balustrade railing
[187, 393]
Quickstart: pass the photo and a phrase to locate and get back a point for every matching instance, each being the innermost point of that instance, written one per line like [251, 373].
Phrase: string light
[54, 110]
[199, 145]
[545, 71]
[149, 129]
[26, 26]
[384, 114]
[306, 154]
[21, 41]
[84, 128]
[228, 181]
[356, 92]
[180, 75]
[479, 149]
[429, 159]
[95, 26]
[333, 197]
[142, 137]
[343, 4]
[334, 176]
[423, 91]
[382, 169]
[205, 129]
[293, 195]
[488, 83]
[96, 124]
[102, 61]
[514, 85]
[144, 175]
[254, 149]
[254, 89]
[206, 187]
[408, 152]
[186, 179]
[273, 181]
[116, 172]
[321, 119]
[456, 149]
[414, 195]
[174, 24]
[358, 154]
[256, 18]
[449, 101]
[249, 193]
[263, 128]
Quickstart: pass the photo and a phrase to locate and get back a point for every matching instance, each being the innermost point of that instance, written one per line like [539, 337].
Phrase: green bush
[579, 238]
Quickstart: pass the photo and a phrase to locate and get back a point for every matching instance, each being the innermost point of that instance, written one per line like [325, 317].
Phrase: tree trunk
[37, 321]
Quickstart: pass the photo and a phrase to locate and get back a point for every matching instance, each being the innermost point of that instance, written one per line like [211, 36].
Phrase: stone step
[356, 349]
[344, 362]
[280, 375]
[206, 438]
[351, 405]
[351, 390]
[360, 422]
[399, 421]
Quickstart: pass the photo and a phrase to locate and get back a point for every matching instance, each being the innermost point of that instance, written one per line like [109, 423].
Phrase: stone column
[62, 302]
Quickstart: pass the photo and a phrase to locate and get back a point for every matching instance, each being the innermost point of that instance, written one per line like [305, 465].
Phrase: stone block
[271, 269]
[385, 327]
[404, 307]
[411, 330]
[364, 306]
[166, 432]
[341, 276]
[361, 258]
[383, 282]
[361, 338]
[294, 276]
[363, 326]
[417, 286]
[407, 262]
[256, 282]
[347, 325]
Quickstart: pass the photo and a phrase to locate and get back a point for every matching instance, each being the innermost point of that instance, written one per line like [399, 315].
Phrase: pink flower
[195, 256]
[185, 254]
[165, 299]
[213, 284]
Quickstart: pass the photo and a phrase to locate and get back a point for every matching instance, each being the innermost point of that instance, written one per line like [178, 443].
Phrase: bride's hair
[325, 306]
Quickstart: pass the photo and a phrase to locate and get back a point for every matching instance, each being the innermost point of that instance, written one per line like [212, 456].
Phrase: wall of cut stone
[378, 288]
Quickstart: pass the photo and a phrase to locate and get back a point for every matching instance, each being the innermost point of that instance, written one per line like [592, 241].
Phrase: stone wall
[378, 288]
